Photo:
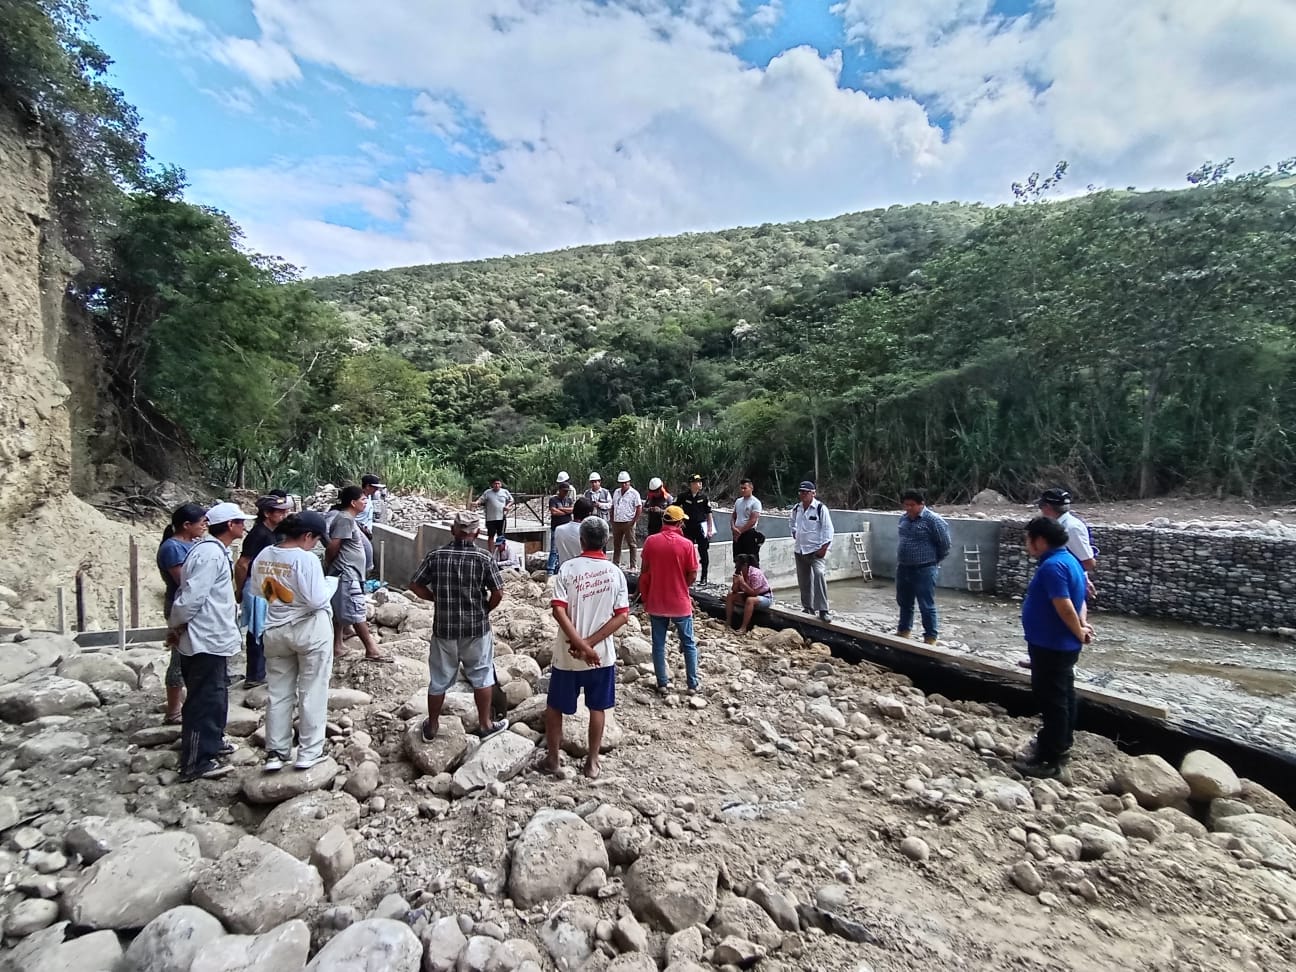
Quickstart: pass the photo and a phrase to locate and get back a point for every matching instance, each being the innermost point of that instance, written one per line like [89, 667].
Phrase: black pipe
[1133, 733]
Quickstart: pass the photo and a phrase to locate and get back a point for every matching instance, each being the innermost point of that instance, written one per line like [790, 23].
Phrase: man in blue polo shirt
[1054, 622]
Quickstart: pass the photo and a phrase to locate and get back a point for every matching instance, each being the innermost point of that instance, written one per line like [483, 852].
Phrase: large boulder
[261, 787]
[48, 951]
[297, 825]
[501, 757]
[1209, 777]
[21, 658]
[555, 852]
[282, 949]
[172, 940]
[93, 837]
[1273, 839]
[98, 667]
[346, 698]
[130, 886]
[744, 918]
[378, 943]
[257, 886]
[671, 892]
[441, 755]
[519, 666]
[575, 731]
[51, 745]
[364, 885]
[44, 694]
[1152, 781]
[443, 942]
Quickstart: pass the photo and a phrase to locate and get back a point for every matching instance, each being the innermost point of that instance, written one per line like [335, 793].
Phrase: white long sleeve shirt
[811, 527]
[205, 602]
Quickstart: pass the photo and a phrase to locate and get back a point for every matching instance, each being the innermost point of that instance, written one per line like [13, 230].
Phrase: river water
[1238, 684]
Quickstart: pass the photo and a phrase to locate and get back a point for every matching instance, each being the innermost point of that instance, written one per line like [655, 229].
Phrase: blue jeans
[688, 644]
[920, 583]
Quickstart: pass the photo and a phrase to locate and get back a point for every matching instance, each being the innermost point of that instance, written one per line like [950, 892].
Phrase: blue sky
[346, 136]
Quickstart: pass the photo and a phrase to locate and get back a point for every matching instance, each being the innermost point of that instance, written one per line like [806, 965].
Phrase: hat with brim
[623, 477]
[806, 486]
[314, 523]
[225, 513]
[466, 521]
[674, 514]
[269, 504]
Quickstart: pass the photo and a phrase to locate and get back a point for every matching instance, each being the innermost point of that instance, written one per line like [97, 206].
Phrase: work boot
[929, 639]
[903, 634]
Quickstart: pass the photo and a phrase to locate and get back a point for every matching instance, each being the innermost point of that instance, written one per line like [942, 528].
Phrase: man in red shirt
[670, 566]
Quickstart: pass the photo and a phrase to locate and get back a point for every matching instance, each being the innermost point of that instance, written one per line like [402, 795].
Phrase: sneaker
[929, 641]
[308, 762]
[825, 615]
[210, 770]
[1038, 770]
[663, 689]
[273, 763]
[903, 634]
[227, 748]
[695, 690]
[499, 725]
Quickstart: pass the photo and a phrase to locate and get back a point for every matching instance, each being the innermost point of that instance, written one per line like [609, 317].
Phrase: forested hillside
[1122, 343]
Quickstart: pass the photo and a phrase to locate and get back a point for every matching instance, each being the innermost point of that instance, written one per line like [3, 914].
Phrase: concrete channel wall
[1230, 580]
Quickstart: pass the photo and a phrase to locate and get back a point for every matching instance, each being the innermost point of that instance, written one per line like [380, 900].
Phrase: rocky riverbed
[802, 813]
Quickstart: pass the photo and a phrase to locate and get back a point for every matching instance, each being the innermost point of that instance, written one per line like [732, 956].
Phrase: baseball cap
[623, 477]
[265, 504]
[225, 512]
[594, 476]
[466, 520]
[1055, 497]
[314, 523]
[369, 479]
[806, 485]
[563, 478]
[655, 483]
[674, 514]
[695, 478]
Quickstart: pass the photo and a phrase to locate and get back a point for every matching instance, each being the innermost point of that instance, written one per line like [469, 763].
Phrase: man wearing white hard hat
[204, 629]
[656, 500]
[561, 505]
[627, 504]
[599, 496]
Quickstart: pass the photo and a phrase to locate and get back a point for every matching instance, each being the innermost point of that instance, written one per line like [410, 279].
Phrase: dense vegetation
[1121, 343]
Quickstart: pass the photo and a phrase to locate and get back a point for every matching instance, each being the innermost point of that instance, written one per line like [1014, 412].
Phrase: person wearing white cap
[204, 629]
[656, 500]
[627, 504]
[561, 505]
[464, 583]
[599, 496]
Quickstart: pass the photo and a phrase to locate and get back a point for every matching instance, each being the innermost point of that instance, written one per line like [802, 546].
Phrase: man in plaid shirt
[464, 583]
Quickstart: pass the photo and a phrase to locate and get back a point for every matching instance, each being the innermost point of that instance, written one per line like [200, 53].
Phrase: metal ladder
[972, 564]
[860, 542]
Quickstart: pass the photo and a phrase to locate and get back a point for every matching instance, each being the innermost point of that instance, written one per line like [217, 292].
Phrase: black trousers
[493, 529]
[704, 558]
[1053, 686]
[745, 543]
[206, 707]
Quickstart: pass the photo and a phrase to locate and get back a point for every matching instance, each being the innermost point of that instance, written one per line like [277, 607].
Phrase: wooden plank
[108, 639]
[134, 583]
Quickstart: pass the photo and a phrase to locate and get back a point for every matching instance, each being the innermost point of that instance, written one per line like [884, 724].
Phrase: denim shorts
[765, 600]
[598, 684]
[445, 655]
[348, 601]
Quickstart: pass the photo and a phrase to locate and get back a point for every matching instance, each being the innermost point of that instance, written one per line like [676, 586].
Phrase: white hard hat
[623, 477]
[654, 483]
[563, 478]
[594, 476]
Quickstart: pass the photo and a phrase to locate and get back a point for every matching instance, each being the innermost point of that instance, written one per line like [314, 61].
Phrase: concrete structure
[779, 564]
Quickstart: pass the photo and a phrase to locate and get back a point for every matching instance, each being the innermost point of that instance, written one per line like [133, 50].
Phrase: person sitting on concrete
[188, 524]
[203, 627]
[463, 583]
[670, 566]
[1055, 625]
[923, 542]
[567, 538]
[590, 603]
[298, 639]
[750, 590]
[812, 535]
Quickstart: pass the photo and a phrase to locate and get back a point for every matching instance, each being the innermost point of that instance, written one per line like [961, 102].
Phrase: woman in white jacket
[298, 639]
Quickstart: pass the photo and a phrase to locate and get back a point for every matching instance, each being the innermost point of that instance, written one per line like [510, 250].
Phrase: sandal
[380, 659]
[172, 719]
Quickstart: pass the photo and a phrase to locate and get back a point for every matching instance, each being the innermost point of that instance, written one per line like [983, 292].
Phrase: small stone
[915, 848]
[333, 856]
[30, 916]
[1027, 879]
[363, 781]
[443, 941]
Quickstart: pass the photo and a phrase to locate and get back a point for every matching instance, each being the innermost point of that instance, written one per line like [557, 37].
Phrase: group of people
[279, 600]
[296, 604]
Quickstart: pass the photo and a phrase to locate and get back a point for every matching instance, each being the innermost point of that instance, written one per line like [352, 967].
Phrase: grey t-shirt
[743, 510]
[495, 503]
[351, 557]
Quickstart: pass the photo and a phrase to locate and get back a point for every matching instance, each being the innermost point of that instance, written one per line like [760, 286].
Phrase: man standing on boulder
[627, 504]
[204, 629]
[812, 535]
[670, 566]
[746, 514]
[1055, 625]
[924, 541]
[463, 582]
[590, 603]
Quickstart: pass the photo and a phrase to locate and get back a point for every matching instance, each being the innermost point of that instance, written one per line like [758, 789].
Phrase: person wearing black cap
[1056, 505]
[371, 514]
[271, 511]
[812, 535]
[298, 639]
[700, 525]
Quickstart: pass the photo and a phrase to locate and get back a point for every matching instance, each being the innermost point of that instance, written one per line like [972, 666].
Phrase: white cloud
[160, 18]
[241, 101]
[634, 117]
[766, 17]
[264, 63]
[362, 120]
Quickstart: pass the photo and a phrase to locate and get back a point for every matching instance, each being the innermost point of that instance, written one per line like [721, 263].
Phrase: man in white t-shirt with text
[590, 603]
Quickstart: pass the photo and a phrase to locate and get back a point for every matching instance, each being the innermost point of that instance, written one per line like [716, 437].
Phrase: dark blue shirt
[1059, 574]
[923, 541]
